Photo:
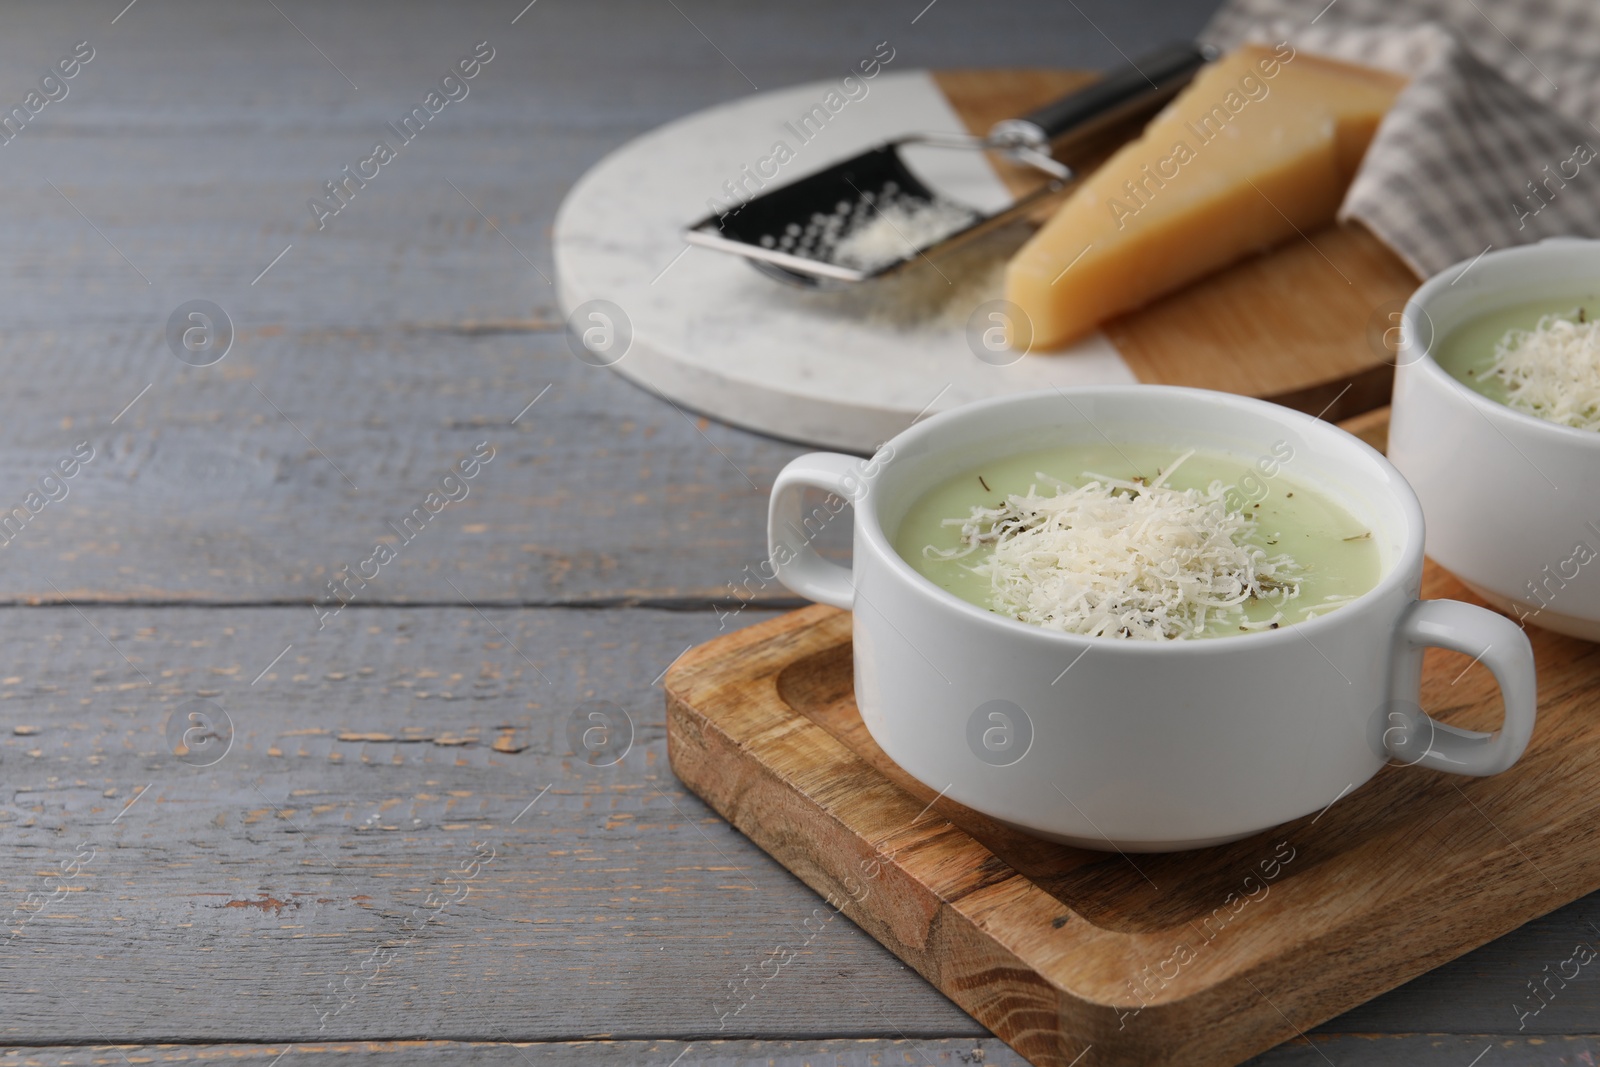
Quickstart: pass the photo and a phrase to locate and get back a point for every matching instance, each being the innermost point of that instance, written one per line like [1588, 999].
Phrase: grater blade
[859, 219]
[813, 228]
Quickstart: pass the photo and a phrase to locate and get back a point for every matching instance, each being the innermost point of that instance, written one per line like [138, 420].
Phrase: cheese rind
[1260, 147]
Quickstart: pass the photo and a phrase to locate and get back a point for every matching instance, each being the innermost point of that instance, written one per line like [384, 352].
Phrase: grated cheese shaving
[899, 229]
[1553, 370]
[1329, 603]
[1115, 558]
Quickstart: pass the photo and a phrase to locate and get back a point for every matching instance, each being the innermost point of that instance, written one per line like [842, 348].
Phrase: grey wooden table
[398, 856]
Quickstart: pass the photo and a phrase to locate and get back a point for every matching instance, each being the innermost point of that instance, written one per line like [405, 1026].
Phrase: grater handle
[1137, 90]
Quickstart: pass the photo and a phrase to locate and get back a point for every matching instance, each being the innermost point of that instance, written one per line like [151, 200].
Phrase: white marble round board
[703, 328]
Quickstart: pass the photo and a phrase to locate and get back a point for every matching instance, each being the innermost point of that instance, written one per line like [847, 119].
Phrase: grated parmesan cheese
[899, 229]
[1553, 370]
[1114, 558]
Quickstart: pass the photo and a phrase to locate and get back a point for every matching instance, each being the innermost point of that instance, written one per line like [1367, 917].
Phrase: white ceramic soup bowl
[1134, 745]
[1512, 500]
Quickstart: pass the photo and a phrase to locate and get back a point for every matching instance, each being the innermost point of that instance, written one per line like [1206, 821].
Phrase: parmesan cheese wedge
[1260, 146]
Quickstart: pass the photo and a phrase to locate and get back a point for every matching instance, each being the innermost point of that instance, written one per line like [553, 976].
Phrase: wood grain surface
[599, 544]
[363, 770]
[1378, 1049]
[1292, 325]
[1061, 950]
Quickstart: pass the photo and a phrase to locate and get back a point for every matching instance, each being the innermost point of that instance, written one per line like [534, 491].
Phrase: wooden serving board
[1293, 325]
[1236, 948]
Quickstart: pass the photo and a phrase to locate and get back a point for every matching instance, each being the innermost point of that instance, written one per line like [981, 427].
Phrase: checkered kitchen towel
[1495, 142]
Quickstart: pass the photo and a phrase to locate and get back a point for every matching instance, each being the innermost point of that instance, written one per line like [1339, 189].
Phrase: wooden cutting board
[1236, 948]
[1296, 325]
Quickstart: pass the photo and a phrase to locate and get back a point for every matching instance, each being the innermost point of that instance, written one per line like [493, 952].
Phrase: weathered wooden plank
[1370, 1050]
[846, 1052]
[362, 770]
[228, 483]
[364, 767]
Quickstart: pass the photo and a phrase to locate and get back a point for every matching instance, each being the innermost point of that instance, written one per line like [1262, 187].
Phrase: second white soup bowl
[1512, 501]
[1132, 745]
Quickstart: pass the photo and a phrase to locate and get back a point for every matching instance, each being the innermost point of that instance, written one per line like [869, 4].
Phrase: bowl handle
[1496, 642]
[790, 533]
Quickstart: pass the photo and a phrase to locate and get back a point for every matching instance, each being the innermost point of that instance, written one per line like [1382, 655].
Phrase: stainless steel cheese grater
[871, 215]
